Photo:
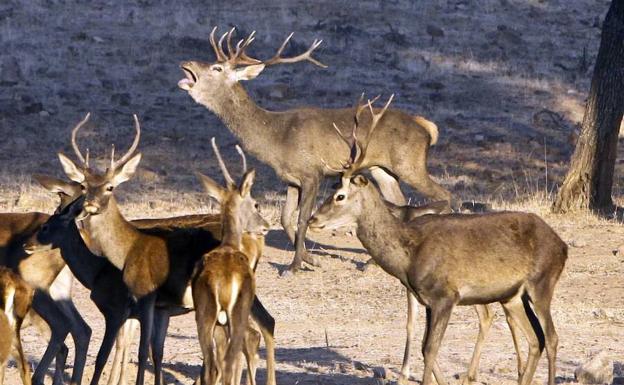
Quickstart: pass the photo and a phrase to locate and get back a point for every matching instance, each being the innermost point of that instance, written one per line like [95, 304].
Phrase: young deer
[293, 142]
[16, 296]
[224, 283]
[156, 264]
[512, 258]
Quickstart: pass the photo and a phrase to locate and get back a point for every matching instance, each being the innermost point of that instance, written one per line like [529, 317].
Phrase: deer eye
[256, 206]
[83, 187]
[217, 68]
[109, 188]
[340, 197]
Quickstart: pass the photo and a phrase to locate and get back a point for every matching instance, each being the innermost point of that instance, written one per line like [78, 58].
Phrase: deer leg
[59, 368]
[130, 326]
[22, 362]
[414, 172]
[266, 323]
[541, 304]
[161, 324]
[113, 321]
[309, 190]
[517, 310]
[2, 369]
[437, 320]
[146, 319]
[412, 311]
[288, 211]
[81, 334]
[513, 327]
[252, 344]
[486, 317]
[47, 309]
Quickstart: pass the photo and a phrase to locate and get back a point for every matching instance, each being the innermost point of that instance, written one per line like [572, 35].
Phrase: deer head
[212, 83]
[67, 191]
[237, 204]
[345, 205]
[97, 188]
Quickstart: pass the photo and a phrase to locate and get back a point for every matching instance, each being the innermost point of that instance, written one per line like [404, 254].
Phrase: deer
[224, 282]
[52, 311]
[156, 264]
[98, 275]
[17, 298]
[453, 260]
[294, 141]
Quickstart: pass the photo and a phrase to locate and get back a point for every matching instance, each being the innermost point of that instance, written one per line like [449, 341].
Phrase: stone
[598, 369]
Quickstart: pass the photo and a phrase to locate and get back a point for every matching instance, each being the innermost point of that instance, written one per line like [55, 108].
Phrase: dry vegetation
[505, 80]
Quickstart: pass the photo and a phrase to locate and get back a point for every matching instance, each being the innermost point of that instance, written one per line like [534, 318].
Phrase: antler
[242, 154]
[307, 55]
[238, 56]
[130, 152]
[226, 174]
[358, 148]
[74, 133]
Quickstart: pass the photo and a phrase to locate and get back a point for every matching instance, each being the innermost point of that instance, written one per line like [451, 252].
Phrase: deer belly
[488, 292]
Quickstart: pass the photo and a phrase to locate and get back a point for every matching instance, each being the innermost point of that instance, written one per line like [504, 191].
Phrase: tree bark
[589, 180]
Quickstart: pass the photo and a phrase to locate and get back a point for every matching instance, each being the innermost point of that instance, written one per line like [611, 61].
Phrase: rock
[10, 71]
[434, 31]
[577, 243]
[619, 251]
[597, 370]
[379, 372]
[123, 99]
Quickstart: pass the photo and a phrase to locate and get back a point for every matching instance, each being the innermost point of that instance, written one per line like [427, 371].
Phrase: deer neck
[231, 229]
[110, 235]
[384, 235]
[255, 127]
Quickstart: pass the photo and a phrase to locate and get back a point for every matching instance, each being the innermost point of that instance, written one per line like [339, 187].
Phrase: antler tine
[239, 56]
[242, 154]
[229, 42]
[358, 151]
[307, 55]
[135, 144]
[112, 163]
[73, 139]
[226, 174]
[220, 47]
[213, 43]
[87, 159]
[348, 140]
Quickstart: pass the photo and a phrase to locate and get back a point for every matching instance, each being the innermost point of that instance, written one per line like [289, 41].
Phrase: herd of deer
[151, 269]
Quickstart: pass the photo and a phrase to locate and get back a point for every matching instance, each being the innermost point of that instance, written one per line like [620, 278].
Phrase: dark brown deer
[224, 284]
[293, 142]
[52, 311]
[16, 296]
[156, 264]
[447, 260]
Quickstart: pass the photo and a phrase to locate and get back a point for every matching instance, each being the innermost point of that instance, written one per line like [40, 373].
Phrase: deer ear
[71, 170]
[247, 73]
[247, 183]
[56, 185]
[359, 180]
[214, 190]
[127, 170]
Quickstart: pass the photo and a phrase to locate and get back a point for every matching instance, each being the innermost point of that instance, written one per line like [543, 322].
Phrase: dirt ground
[505, 80]
[337, 325]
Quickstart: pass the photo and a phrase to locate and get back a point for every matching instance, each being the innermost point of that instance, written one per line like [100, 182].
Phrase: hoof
[466, 379]
[290, 272]
[366, 267]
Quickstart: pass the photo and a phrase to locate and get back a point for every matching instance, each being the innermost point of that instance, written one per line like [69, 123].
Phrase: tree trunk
[590, 177]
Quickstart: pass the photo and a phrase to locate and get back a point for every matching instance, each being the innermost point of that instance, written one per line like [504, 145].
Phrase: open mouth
[189, 81]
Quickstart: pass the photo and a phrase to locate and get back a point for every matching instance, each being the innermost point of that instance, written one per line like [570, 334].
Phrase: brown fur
[23, 295]
[297, 143]
[454, 259]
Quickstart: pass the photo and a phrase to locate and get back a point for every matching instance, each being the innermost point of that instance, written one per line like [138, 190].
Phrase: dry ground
[506, 83]
[335, 323]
